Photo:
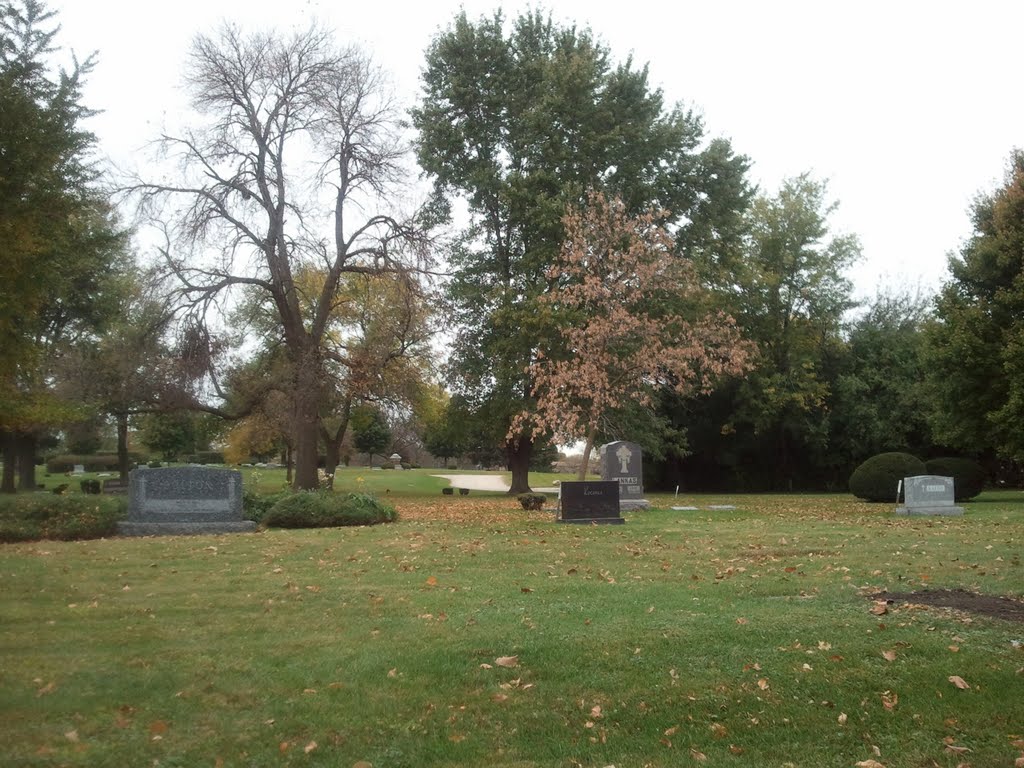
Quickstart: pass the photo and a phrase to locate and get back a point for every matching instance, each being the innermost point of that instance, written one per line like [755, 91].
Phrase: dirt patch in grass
[1005, 608]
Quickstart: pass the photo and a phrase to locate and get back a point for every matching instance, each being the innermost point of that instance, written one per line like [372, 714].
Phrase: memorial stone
[184, 500]
[622, 462]
[928, 495]
[589, 501]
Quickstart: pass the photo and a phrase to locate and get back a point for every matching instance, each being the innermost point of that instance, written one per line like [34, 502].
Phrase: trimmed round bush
[876, 479]
[968, 475]
[532, 500]
[318, 509]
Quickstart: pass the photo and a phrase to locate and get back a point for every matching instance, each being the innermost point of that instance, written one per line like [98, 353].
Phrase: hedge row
[319, 509]
[30, 517]
[97, 462]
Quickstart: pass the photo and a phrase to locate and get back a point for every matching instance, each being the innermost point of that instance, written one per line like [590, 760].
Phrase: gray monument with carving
[184, 500]
[623, 462]
[928, 495]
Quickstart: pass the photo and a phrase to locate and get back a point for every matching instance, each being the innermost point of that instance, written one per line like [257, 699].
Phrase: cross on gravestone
[184, 500]
[928, 495]
[622, 462]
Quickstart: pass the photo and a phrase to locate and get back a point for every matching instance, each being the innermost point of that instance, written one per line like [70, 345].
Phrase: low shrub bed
[322, 509]
[29, 517]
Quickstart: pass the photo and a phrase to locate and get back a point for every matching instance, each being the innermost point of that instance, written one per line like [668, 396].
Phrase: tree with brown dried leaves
[617, 285]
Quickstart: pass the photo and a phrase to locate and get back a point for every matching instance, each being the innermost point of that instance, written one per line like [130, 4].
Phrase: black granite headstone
[589, 501]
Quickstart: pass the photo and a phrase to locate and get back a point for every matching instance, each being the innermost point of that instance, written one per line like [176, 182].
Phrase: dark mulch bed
[1005, 608]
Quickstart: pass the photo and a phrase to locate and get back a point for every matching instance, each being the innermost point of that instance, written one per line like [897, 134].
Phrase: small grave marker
[928, 495]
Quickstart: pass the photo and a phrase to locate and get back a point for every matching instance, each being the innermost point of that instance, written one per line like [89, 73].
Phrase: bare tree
[286, 120]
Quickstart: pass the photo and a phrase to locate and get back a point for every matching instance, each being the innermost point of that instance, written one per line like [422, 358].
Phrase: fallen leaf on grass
[879, 608]
[763, 684]
[954, 750]
[485, 665]
[842, 718]
[432, 581]
[455, 738]
[672, 731]
[889, 655]
[362, 764]
[719, 731]
[735, 750]
[890, 700]
[393, 672]
[959, 682]
[696, 754]
[71, 736]
[157, 727]
[595, 711]
[48, 688]
[741, 621]
[309, 747]
[869, 764]
[507, 661]
[1018, 763]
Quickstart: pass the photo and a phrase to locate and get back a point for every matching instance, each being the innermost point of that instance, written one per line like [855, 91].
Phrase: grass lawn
[473, 633]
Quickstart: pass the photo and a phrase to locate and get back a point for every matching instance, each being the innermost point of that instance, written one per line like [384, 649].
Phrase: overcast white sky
[908, 108]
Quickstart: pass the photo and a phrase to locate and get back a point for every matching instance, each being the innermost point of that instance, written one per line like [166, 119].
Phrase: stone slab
[589, 502]
[622, 461]
[184, 500]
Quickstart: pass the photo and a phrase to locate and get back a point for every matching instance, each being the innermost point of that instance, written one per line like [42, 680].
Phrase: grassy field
[474, 633]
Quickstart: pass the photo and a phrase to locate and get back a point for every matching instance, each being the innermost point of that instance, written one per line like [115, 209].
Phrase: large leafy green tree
[878, 401]
[788, 294]
[975, 350]
[518, 120]
[62, 251]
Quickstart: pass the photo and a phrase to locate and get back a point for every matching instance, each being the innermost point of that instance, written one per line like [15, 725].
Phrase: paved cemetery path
[485, 483]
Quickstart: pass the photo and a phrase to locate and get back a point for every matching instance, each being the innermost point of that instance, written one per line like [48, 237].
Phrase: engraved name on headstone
[622, 462]
[928, 495]
[177, 500]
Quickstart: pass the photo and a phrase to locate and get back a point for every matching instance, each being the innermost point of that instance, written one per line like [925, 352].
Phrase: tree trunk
[25, 447]
[289, 463]
[585, 464]
[306, 420]
[122, 445]
[7, 444]
[518, 457]
[332, 443]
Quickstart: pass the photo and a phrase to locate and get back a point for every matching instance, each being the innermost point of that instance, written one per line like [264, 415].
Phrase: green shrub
[154, 465]
[320, 509]
[255, 505]
[877, 478]
[90, 485]
[36, 516]
[968, 476]
[532, 500]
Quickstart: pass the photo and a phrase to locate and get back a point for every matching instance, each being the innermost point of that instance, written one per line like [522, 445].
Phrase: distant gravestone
[184, 500]
[589, 501]
[622, 462]
[79, 469]
[115, 485]
[928, 495]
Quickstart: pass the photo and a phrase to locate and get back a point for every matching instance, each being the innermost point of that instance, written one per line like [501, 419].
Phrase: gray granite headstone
[928, 495]
[622, 462]
[184, 500]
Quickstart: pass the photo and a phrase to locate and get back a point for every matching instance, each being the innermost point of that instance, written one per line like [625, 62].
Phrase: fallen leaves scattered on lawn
[879, 608]
[763, 684]
[889, 655]
[869, 764]
[507, 661]
[696, 754]
[959, 682]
